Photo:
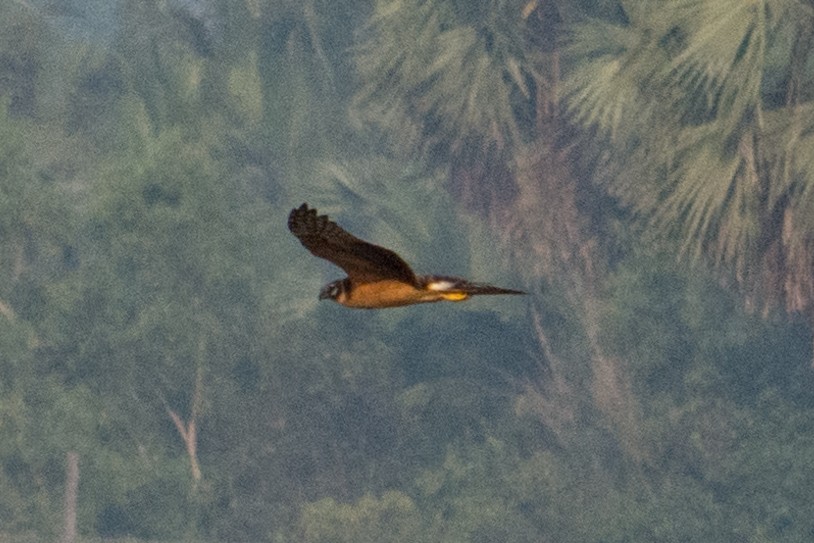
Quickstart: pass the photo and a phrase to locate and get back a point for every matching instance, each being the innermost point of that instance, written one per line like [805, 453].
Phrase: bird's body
[377, 277]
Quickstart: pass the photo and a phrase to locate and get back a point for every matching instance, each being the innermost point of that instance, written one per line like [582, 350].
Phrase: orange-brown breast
[387, 293]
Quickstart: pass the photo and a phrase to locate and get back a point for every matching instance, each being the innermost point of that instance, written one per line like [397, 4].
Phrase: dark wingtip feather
[298, 217]
[489, 289]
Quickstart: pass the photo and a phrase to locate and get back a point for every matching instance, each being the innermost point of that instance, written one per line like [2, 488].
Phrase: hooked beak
[325, 293]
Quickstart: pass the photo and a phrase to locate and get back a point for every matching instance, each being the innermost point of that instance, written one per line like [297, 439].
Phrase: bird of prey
[377, 277]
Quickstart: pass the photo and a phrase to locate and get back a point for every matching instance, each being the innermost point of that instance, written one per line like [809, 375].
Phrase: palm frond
[725, 52]
[713, 199]
[448, 72]
[789, 138]
[613, 86]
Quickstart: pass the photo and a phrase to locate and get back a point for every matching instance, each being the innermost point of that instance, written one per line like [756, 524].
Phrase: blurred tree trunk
[188, 430]
[70, 500]
[559, 244]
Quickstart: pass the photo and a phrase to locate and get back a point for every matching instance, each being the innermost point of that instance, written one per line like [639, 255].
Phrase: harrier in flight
[377, 277]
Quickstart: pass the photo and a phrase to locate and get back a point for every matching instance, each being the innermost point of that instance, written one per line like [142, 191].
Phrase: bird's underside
[377, 277]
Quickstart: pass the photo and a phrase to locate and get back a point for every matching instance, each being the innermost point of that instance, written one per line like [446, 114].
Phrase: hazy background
[645, 170]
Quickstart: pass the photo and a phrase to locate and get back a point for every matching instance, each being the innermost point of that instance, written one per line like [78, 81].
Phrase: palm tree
[707, 105]
[474, 86]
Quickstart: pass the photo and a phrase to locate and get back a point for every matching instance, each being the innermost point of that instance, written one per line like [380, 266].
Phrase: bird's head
[332, 291]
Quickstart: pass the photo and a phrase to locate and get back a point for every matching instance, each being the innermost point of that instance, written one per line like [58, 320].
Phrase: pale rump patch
[440, 285]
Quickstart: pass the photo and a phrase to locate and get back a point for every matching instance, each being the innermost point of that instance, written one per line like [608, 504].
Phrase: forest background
[644, 169]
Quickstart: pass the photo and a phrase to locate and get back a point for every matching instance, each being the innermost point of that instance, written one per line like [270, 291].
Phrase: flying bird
[377, 277]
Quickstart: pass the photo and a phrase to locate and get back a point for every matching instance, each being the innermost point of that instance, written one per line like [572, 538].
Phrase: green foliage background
[150, 152]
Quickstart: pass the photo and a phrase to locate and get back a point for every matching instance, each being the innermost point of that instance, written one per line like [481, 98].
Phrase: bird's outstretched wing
[362, 261]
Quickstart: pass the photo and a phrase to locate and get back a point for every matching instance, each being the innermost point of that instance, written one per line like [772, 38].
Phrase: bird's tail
[462, 287]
